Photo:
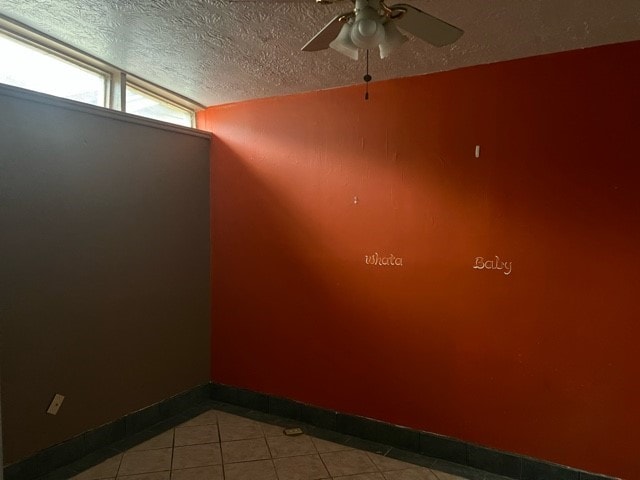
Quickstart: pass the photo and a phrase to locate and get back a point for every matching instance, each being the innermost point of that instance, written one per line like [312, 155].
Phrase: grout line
[374, 463]
[224, 475]
[275, 469]
[273, 464]
[222, 462]
[119, 463]
[218, 429]
[267, 444]
[173, 446]
[323, 463]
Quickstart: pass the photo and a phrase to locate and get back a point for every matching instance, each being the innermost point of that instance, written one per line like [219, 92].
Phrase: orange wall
[542, 361]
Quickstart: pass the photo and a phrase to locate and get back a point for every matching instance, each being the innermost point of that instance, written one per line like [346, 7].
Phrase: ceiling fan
[372, 23]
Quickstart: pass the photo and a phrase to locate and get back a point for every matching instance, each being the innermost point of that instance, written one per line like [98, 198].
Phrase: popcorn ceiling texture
[218, 52]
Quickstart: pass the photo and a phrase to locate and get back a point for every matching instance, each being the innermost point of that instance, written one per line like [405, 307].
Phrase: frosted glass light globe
[367, 30]
[367, 27]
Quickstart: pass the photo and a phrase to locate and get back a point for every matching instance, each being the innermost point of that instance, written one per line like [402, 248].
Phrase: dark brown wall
[105, 270]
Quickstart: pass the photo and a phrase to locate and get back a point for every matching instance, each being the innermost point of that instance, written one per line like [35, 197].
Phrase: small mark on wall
[386, 261]
[494, 263]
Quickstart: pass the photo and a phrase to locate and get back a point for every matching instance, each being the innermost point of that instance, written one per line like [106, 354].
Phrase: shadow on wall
[105, 268]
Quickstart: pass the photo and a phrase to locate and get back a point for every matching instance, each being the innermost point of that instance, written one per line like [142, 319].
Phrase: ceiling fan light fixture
[392, 39]
[343, 43]
[372, 23]
[367, 30]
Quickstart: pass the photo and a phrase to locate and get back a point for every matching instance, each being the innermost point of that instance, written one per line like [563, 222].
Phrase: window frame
[62, 57]
[155, 92]
[116, 79]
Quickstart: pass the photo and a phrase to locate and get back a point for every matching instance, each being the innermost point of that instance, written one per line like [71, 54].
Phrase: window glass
[147, 105]
[22, 65]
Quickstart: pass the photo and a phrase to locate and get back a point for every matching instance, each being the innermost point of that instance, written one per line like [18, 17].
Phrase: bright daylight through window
[148, 105]
[34, 68]
[42, 65]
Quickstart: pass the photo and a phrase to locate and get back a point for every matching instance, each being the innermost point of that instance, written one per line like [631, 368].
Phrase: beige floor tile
[145, 461]
[239, 430]
[196, 456]
[348, 462]
[285, 446]
[307, 467]
[245, 450]
[224, 417]
[196, 435]
[271, 430]
[199, 473]
[101, 478]
[251, 450]
[209, 417]
[362, 476]
[386, 464]
[446, 476]
[259, 470]
[147, 476]
[164, 440]
[105, 470]
[324, 446]
[417, 473]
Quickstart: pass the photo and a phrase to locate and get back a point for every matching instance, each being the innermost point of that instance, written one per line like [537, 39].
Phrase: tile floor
[218, 445]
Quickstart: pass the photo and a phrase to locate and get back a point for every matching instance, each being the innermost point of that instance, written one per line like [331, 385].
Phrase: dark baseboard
[431, 445]
[69, 451]
[509, 465]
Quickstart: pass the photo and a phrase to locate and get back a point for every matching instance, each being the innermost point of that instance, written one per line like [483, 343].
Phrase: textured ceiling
[216, 51]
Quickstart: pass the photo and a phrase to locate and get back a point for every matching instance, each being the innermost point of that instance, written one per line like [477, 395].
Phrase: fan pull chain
[367, 79]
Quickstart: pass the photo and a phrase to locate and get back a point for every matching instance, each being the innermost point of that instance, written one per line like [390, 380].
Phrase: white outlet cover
[55, 405]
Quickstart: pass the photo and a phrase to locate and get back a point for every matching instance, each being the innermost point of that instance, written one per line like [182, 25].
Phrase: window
[36, 68]
[146, 104]
[35, 62]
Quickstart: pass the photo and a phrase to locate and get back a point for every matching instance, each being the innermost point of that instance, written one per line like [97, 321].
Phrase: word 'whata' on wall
[389, 260]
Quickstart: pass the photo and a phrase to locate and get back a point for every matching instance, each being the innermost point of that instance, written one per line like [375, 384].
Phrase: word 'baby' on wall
[493, 264]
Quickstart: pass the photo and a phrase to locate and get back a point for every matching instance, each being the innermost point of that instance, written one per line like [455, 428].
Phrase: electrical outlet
[55, 404]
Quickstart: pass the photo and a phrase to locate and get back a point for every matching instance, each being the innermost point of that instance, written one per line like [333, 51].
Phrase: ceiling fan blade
[427, 27]
[325, 36]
